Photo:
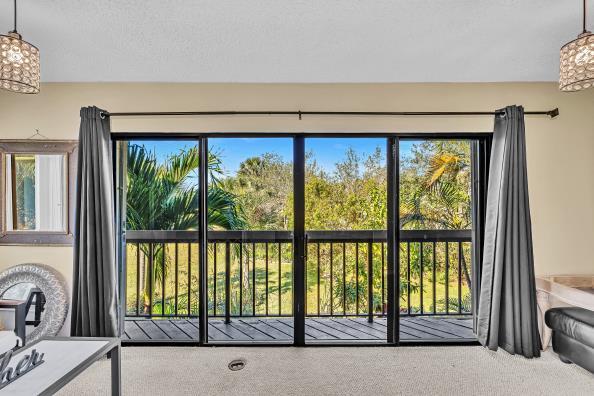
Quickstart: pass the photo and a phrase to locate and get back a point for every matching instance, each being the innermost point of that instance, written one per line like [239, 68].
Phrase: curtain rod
[551, 113]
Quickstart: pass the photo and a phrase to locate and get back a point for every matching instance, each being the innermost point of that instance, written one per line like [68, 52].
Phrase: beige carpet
[330, 371]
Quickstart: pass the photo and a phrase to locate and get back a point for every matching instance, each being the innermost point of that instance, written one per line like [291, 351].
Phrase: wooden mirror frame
[67, 147]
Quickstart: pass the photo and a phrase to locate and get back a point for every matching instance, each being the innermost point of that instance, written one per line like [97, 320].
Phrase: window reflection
[36, 192]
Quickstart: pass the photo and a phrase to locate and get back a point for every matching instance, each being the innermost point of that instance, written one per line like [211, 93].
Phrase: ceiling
[298, 40]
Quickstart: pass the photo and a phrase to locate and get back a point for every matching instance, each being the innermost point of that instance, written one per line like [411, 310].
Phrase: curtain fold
[507, 305]
[95, 287]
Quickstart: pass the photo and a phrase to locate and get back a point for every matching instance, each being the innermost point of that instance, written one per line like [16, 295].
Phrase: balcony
[250, 295]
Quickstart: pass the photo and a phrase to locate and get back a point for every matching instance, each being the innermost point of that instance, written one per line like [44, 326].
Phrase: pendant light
[576, 71]
[19, 62]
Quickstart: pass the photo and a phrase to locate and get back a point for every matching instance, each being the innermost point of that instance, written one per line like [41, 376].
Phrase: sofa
[573, 335]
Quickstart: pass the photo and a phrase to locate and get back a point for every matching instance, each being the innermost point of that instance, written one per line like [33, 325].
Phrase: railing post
[357, 278]
[331, 279]
[344, 307]
[408, 277]
[151, 274]
[227, 282]
[266, 276]
[319, 297]
[253, 279]
[460, 253]
[421, 265]
[138, 297]
[190, 279]
[176, 277]
[370, 282]
[215, 276]
[279, 280]
[163, 280]
[240, 278]
[447, 277]
[434, 281]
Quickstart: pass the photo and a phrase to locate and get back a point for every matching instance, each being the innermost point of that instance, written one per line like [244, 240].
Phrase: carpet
[454, 370]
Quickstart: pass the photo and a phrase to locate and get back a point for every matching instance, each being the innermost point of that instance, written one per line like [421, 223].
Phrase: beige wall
[560, 151]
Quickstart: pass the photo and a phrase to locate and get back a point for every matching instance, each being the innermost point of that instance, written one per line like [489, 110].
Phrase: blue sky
[232, 151]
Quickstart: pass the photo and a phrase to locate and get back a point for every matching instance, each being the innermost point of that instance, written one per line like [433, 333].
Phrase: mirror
[37, 187]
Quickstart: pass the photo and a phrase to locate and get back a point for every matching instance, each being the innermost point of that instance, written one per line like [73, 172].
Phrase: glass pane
[435, 189]
[436, 239]
[161, 239]
[162, 191]
[345, 222]
[250, 250]
[36, 192]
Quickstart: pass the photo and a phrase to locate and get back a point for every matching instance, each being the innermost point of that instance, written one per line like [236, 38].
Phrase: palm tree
[442, 199]
[165, 197]
[442, 187]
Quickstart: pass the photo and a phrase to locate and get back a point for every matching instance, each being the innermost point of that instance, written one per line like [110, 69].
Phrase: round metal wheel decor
[51, 283]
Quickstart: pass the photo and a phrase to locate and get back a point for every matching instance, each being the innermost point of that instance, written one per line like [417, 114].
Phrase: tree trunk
[148, 275]
[141, 276]
[466, 274]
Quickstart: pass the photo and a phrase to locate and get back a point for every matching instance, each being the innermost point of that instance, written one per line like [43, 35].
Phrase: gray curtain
[507, 305]
[95, 291]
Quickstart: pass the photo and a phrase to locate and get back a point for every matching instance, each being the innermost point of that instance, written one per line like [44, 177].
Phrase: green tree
[435, 189]
[164, 196]
[262, 187]
[435, 186]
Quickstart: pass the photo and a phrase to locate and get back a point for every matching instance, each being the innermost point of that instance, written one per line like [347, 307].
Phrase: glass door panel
[159, 179]
[250, 240]
[345, 223]
[436, 228]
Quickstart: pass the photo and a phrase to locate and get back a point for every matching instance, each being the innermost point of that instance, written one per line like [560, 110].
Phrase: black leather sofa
[573, 335]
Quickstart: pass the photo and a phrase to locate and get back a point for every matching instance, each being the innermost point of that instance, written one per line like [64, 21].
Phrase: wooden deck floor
[316, 330]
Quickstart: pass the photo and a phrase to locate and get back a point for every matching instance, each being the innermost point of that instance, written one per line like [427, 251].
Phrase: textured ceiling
[298, 40]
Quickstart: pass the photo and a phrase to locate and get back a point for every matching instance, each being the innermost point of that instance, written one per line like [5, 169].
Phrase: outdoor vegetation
[163, 195]
[23, 177]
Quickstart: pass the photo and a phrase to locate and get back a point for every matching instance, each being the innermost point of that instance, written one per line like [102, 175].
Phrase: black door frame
[393, 242]
[299, 241]
[202, 242]
[480, 153]
[481, 143]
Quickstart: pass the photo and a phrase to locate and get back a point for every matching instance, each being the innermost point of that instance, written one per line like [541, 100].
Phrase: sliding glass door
[345, 221]
[301, 239]
[250, 240]
[436, 205]
[158, 205]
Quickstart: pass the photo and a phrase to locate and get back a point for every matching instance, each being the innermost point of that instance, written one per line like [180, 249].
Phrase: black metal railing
[250, 273]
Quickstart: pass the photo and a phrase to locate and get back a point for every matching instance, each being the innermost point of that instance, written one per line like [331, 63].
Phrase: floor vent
[237, 364]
